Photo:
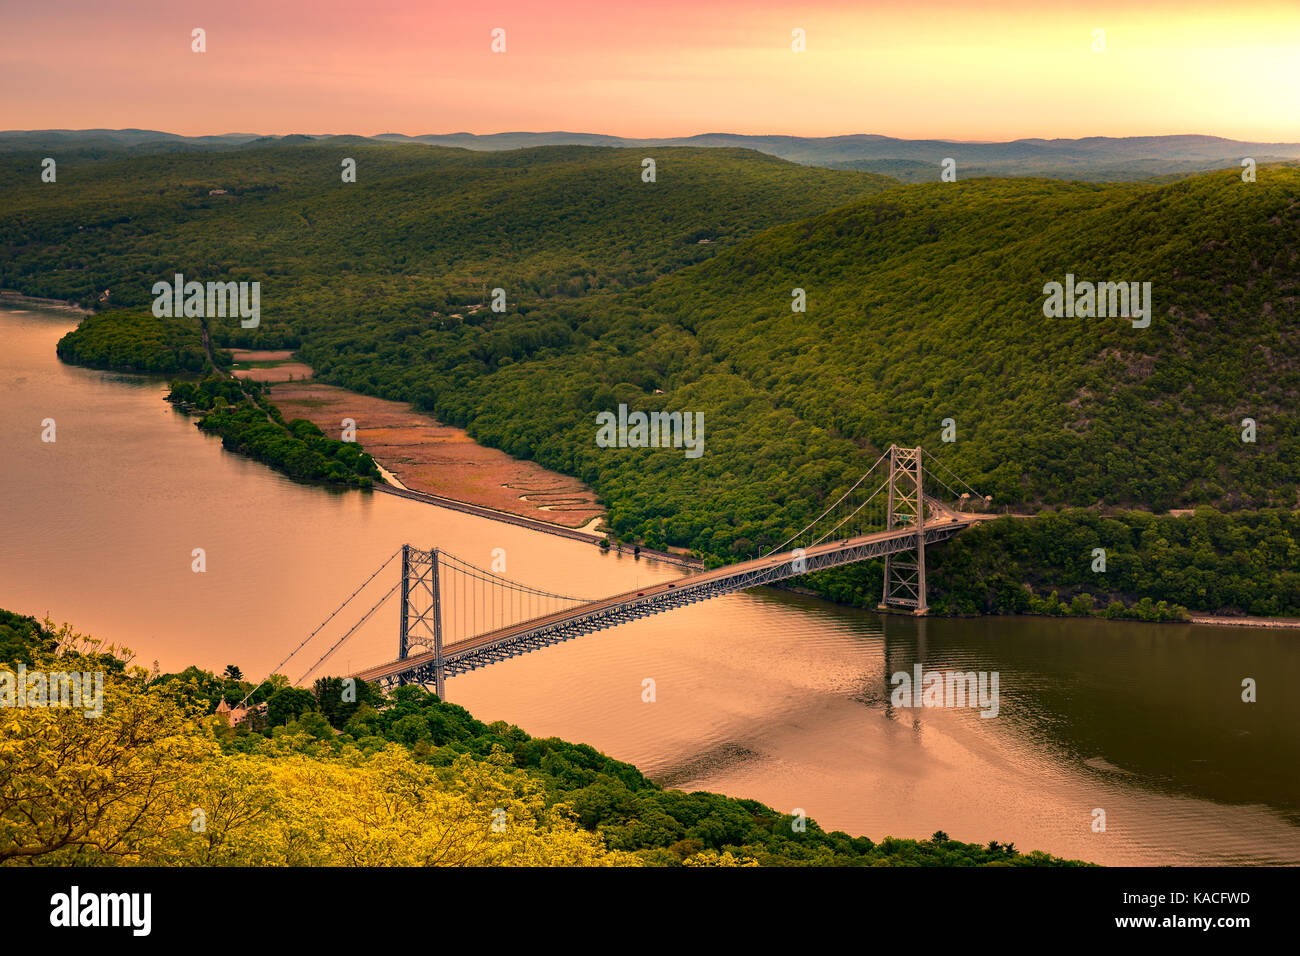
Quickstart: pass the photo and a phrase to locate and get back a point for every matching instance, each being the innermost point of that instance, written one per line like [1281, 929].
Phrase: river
[768, 695]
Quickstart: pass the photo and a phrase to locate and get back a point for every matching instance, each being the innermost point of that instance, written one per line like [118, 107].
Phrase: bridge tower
[422, 610]
[905, 571]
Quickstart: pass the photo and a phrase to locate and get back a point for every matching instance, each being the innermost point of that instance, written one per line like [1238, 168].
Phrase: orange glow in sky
[955, 70]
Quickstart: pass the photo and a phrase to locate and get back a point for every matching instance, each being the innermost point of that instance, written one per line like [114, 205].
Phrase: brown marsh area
[423, 453]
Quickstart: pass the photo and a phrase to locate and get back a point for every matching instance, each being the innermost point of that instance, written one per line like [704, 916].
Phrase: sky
[915, 70]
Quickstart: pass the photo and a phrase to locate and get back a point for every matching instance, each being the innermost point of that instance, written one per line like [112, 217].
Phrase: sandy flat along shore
[421, 452]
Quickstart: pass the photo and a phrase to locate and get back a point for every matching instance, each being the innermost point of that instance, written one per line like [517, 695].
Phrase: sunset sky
[954, 70]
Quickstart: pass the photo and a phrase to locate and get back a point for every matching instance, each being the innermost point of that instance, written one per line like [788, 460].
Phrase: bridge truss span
[456, 617]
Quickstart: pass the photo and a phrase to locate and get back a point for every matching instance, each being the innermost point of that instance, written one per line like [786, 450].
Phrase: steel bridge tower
[422, 610]
[905, 570]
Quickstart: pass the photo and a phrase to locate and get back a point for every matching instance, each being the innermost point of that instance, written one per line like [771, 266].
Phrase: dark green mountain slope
[924, 304]
[927, 303]
[421, 228]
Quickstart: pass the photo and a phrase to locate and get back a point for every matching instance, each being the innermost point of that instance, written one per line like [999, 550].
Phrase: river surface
[768, 695]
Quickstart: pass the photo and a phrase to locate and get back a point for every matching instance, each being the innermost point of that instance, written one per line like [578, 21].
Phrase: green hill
[421, 229]
[927, 303]
[924, 303]
[417, 776]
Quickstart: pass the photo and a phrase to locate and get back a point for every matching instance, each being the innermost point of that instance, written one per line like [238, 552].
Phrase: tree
[288, 703]
[83, 790]
[338, 699]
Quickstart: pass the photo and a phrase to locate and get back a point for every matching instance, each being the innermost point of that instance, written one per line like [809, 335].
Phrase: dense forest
[923, 303]
[403, 779]
[1154, 567]
[239, 411]
[129, 340]
[423, 228]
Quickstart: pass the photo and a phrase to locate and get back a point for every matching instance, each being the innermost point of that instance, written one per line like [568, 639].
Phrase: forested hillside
[385, 780]
[421, 230]
[923, 303]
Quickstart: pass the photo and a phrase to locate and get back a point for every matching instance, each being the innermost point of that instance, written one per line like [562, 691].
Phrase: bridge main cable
[496, 580]
[954, 475]
[276, 670]
[795, 537]
[884, 484]
[365, 617]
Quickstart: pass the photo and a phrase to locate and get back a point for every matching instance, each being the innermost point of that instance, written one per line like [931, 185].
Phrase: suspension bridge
[456, 617]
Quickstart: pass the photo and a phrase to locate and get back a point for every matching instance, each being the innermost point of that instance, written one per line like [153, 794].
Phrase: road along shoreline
[533, 524]
[8, 298]
[1223, 621]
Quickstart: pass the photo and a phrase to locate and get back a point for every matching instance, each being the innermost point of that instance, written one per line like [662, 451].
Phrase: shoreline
[534, 524]
[388, 453]
[390, 483]
[9, 297]
[1207, 620]
[429, 456]
[1221, 620]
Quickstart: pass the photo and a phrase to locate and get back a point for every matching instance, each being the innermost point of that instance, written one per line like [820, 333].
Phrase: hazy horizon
[594, 132]
[981, 72]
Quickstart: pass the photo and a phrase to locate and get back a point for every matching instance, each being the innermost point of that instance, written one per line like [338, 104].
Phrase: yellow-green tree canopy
[146, 783]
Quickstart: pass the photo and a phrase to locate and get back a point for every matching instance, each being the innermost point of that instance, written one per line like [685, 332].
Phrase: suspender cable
[363, 620]
[322, 624]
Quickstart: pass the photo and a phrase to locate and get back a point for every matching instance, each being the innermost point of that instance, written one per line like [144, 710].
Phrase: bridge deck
[527, 635]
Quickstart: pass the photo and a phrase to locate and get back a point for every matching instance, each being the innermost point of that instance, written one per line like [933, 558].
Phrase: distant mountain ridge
[1092, 158]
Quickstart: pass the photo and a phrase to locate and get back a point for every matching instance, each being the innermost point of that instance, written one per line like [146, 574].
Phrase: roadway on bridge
[489, 638]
